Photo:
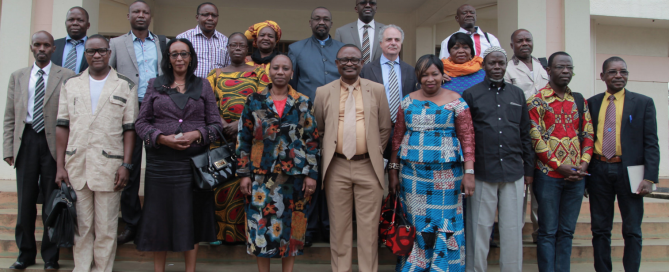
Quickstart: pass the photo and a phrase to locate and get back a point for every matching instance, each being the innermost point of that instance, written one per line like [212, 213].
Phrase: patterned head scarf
[494, 49]
[252, 32]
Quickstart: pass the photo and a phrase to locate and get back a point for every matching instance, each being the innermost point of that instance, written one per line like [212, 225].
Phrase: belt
[614, 159]
[354, 158]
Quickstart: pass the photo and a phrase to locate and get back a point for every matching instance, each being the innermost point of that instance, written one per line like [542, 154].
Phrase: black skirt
[174, 217]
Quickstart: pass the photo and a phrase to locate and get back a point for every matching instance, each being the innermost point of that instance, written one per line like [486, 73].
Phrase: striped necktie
[394, 92]
[365, 45]
[38, 104]
[71, 61]
[609, 141]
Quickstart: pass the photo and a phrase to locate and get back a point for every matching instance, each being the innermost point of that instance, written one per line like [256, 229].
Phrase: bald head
[513, 35]
[466, 17]
[42, 34]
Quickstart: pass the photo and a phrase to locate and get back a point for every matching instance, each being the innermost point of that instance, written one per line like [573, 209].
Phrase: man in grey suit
[362, 32]
[136, 55]
[29, 144]
[398, 77]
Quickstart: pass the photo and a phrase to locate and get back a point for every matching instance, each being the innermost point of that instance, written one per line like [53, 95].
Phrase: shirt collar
[489, 83]
[516, 60]
[323, 42]
[134, 38]
[198, 31]
[355, 85]
[46, 69]
[361, 24]
[478, 30]
[68, 38]
[548, 91]
[619, 95]
[385, 60]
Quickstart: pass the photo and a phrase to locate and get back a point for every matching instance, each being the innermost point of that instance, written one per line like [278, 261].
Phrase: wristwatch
[127, 165]
[469, 171]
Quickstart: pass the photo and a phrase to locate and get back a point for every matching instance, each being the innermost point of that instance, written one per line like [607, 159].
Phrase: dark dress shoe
[308, 242]
[20, 265]
[126, 236]
[51, 266]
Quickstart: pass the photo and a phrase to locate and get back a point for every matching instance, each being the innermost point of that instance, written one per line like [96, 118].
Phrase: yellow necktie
[349, 125]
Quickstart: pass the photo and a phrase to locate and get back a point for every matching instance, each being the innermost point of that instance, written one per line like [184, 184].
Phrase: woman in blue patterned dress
[463, 68]
[278, 166]
[433, 133]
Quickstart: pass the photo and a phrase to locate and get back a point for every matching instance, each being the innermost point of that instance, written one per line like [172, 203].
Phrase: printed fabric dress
[277, 153]
[231, 90]
[431, 141]
[461, 83]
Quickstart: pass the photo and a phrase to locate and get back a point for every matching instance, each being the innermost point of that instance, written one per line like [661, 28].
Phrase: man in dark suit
[70, 50]
[363, 32]
[398, 77]
[29, 144]
[625, 135]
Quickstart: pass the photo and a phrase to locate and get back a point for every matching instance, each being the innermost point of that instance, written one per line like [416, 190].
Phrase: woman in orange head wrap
[265, 36]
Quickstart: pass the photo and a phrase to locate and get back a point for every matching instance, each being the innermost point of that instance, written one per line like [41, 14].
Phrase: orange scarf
[455, 70]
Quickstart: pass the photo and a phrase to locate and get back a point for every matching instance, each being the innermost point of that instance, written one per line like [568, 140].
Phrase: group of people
[458, 138]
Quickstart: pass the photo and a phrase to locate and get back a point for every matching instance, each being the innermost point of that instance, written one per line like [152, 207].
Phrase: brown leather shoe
[126, 236]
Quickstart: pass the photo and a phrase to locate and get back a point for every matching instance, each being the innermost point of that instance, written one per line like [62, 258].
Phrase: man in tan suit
[354, 130]
[30, 144]
[95, 137]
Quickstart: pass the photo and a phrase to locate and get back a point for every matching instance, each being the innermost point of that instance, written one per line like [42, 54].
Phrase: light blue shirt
[323, 41]
[80, 52]
[385, 72]
[147, 62]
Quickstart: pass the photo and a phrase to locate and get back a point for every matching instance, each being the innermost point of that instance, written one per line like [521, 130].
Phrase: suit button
[136, 74]
[19, 138]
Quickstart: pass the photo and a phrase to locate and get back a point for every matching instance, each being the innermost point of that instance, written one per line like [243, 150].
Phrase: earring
[443, 81]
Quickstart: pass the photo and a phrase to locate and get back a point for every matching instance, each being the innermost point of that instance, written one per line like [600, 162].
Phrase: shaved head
[42, 32]
[513, 35]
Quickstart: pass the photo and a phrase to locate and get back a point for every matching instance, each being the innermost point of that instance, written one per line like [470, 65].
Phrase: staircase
[655, 243]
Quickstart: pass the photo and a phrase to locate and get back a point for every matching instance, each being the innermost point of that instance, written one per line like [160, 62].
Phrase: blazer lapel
[523, 69]
[129, 44]
[628, 108]
[57, 56]
[85, 90]
[54, 79]
[159, 53]
[406, 84]
[24, 87]
[366, 102]
[354, 33]
[335, 95]
[375, 47]
[377, 71]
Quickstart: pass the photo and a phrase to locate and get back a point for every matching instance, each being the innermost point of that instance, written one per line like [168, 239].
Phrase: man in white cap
[502, 128]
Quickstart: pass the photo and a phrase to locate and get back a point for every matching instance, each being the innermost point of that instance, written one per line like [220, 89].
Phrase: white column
[60, 8]
[577, 44]
[15, 35]
[425, 42]
[527, 14]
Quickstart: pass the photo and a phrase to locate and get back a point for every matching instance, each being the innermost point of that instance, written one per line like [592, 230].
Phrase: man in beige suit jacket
[354, 123]
[95, 137]
[137, 55]
[29, 144]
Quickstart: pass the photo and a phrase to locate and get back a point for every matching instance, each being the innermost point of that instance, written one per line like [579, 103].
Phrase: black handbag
[215, 167]
[61, 222]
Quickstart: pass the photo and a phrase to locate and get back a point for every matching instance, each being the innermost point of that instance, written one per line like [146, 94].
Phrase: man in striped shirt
[210, 45]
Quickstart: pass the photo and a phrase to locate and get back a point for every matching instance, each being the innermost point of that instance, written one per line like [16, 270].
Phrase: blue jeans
[559, 205]
[607, 182]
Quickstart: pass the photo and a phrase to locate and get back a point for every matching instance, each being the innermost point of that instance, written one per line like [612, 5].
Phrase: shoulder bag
[215, 167]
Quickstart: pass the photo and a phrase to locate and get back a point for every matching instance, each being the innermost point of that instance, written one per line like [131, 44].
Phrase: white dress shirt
[484, 43]
[31, 88]
[370, 34]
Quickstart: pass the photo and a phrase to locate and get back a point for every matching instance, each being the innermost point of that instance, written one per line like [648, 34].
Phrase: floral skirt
[230, 215]
[431, 196]
[276, 222]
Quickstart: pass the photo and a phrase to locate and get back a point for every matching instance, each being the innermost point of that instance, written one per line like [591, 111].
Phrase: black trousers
[131, 208]
[34, 163]
[317, 213]
[605, 185]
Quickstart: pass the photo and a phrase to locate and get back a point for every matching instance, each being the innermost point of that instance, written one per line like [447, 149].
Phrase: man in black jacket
[625, 135]
[70, 50]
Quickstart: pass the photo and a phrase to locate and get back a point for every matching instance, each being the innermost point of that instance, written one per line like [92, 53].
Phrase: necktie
[71, 61]
[365, 45]
[609, 142]
[394, 90]
[38, 114]
[477, 44]
[349, 125]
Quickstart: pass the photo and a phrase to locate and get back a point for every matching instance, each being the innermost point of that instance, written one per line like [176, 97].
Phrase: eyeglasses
[101, 51]
[237, 45]
[364, 3]
[613, 73]
[325, 20]
[207, 15]
[176, 55]
[561, 68]
[353, 61]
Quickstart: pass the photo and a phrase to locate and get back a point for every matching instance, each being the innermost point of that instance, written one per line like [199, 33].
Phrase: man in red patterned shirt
[559, 116]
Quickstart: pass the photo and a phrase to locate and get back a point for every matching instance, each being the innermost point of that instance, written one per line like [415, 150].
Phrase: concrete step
[655, 250]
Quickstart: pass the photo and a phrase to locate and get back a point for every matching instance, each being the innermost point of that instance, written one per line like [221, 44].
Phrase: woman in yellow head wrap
[265, 36]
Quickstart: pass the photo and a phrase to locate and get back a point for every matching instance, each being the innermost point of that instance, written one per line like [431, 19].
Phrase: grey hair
[385, 27]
